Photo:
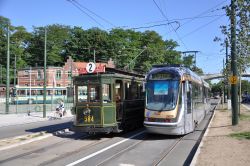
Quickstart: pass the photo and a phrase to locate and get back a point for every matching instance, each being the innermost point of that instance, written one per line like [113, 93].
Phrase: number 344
[88, 119]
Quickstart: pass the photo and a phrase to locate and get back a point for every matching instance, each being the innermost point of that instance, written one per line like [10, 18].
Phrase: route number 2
[90, 67]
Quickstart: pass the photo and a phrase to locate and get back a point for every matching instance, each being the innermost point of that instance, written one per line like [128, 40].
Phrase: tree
[57, 37]
[242, 32]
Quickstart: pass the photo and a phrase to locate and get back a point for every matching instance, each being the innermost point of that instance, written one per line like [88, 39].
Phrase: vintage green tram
[112, 101]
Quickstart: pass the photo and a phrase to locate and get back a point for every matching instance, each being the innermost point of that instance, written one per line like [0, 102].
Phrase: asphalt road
[132, 148]
[48, 126]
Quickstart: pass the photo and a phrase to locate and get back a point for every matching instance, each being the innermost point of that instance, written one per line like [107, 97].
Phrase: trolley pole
[8, 71]
[233, 78]
[44, 73]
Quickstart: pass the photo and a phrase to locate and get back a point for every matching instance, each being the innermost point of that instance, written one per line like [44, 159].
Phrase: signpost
[233, 79]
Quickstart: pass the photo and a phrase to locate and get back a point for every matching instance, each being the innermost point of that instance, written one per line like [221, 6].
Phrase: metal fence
[34, 106]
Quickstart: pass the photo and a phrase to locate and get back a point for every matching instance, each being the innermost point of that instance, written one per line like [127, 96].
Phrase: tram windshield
[162, 94]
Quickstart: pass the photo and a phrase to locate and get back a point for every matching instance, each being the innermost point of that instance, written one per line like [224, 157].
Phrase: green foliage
[217, 87]
[242, 135]
[129, 49]
[242, 33]
[244, 117]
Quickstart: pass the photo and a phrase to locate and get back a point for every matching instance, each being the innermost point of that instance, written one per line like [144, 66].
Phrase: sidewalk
[218, 147]
[23, 118]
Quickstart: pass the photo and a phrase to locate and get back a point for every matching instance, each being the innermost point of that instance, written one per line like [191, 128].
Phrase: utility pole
[233, 78]
[1, 72]
[224, 84]
[15, 77]
[44, 73]
[227, 67]
[8, 71]
[94, 55]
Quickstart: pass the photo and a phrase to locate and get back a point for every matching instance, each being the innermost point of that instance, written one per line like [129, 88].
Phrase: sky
[195, 23]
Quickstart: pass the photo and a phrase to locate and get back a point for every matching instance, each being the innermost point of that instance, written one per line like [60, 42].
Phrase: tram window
[118, 90]
[141, 91]
[127, 90]
[82, 93]
[21, 92]
[94, 93]
[134, 91]
[39, 92]
[106, 93]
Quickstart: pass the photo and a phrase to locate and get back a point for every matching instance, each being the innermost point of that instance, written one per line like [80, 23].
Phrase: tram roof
[117, 72]
[183, 72]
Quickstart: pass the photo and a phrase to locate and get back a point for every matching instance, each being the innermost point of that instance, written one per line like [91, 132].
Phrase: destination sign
[160, 76]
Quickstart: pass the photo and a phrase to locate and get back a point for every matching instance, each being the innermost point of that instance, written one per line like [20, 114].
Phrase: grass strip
[242, 135]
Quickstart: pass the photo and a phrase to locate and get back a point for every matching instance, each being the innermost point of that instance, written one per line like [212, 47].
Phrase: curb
[44, 135]
[194, 160]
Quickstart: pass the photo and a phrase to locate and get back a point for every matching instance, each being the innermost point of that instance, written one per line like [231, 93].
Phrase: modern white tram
[176, 100]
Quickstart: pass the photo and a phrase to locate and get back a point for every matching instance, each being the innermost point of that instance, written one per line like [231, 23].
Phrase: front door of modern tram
[188, 118]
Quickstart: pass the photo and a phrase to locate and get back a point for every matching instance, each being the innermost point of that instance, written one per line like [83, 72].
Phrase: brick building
[57, 77]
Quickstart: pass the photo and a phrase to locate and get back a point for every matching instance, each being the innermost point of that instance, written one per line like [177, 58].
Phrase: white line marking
[103, 150]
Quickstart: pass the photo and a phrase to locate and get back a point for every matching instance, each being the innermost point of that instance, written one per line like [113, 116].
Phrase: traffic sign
[90, 67]
[233, 79]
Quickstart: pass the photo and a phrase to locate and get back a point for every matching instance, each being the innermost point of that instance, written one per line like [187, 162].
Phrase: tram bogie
[108, 102]
[176, 100]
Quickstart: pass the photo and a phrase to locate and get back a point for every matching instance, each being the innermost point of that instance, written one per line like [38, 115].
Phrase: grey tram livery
[176, 100]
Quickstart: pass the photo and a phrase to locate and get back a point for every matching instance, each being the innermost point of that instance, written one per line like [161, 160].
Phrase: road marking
[103, 150]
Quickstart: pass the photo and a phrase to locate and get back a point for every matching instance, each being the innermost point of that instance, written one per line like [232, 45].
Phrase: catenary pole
[227, 72]
[8, 71]
[44, 73]
[234, 87]
[224, 84]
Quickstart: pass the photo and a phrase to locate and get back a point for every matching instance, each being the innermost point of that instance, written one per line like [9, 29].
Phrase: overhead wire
[170, 24]
[92, 18]
[186, 18]
[204, 25]
[202, 13]
[105, 20]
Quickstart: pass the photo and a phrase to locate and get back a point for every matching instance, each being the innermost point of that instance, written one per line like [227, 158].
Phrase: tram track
[55, 145]
[155, 163]
[47, 147]
[122, 151]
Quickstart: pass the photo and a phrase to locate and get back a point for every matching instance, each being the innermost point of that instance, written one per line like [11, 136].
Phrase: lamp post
[30, 101]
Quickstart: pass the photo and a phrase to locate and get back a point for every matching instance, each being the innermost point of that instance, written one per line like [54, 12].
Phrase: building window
[39, 74]
[69, 75]
[58, 74]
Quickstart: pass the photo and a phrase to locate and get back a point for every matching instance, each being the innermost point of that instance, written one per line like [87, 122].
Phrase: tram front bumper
[93, 129]
[165, 129]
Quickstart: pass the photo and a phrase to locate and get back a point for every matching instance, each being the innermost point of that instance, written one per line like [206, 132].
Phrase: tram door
[118, 99]
[188, 106]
